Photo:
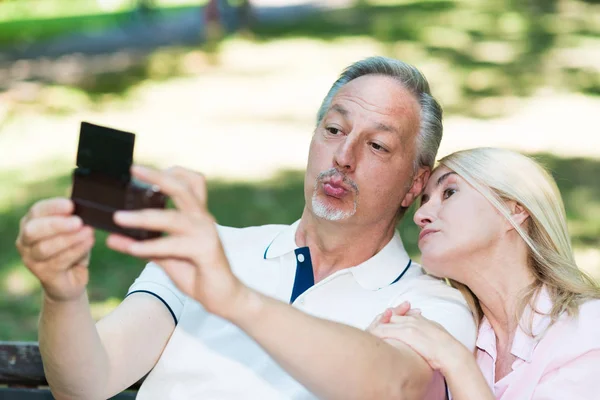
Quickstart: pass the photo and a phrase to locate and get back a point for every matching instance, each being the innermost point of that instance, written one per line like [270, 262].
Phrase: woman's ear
[518, 213]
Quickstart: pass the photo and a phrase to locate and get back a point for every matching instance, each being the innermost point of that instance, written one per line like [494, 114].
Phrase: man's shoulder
[255, 237]
[440, 302]
[420, 283]
[231, 233]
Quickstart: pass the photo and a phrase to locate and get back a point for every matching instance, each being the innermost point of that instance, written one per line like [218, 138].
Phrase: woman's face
[458, 225]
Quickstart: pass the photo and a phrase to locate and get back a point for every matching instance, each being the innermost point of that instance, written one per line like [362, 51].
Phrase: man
[376, 138]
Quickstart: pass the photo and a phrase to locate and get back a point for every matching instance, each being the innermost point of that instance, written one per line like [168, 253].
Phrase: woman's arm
[464, 378]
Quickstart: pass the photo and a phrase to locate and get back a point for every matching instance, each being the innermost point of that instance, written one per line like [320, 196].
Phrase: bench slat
[41, 394]
[21, 365]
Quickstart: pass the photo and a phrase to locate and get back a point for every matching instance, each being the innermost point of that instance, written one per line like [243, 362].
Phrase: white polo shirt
[207, 357]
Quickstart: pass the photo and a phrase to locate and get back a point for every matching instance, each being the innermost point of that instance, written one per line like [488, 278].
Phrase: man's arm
[330, 359]
[333, 360]
[84, 360]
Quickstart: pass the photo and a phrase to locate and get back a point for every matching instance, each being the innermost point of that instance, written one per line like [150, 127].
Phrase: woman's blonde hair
[503, 175]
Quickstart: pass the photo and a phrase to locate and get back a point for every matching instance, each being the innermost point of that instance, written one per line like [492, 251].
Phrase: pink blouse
[562, 364]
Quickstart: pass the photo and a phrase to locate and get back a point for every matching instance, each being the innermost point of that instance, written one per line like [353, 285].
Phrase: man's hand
[191, 254]
[55, 246]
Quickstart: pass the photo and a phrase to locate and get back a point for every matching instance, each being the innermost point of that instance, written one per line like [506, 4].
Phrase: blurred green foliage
[482, 49]
[38, 29]
[240, 204]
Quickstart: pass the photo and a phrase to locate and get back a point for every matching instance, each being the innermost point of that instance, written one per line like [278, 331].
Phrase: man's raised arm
[82, 359]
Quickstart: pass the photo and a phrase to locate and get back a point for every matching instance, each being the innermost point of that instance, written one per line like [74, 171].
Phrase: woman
[493, 220]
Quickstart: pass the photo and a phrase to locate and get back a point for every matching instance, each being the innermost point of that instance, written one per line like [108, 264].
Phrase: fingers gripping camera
[102, 183]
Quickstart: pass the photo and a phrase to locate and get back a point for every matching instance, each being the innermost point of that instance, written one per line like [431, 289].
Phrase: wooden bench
[22, 374]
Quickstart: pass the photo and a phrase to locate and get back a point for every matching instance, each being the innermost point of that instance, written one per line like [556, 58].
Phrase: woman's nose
[424, 215]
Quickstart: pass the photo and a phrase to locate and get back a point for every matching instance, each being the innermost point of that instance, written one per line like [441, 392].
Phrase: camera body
[102, 183]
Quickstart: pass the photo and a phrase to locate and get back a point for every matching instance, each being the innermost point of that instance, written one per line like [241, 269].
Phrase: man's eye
[448, 193]
[378, 147]
[333, 131]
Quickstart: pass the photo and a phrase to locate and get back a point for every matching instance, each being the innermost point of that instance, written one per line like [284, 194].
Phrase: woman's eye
[333, 131]
[448, 193]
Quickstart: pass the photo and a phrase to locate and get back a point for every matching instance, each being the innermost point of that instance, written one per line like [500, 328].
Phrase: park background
[237, 101]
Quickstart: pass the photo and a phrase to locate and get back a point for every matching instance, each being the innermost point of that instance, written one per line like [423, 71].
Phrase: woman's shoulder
[587, 322]
[573, 340]
[577, 334]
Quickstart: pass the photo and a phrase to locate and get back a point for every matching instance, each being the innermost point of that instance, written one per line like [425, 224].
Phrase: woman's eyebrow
[443, 177]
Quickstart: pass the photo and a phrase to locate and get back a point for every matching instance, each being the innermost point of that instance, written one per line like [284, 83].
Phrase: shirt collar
[377, 272]
[384, 267]
[524, 343]
[486, 338]
[283, 243]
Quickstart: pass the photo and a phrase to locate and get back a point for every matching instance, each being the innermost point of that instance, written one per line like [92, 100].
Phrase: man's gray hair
[430, 127]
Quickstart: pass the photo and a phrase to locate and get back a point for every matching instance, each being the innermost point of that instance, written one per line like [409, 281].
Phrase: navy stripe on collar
[403, 272]
[305, 278]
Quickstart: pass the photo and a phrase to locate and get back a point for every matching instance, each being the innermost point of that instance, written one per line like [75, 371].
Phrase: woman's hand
[191, 253]
[437, 347]
[426, 337]
[385, 317]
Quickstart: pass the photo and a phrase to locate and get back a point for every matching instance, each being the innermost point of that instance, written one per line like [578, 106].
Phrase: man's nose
[345, 156]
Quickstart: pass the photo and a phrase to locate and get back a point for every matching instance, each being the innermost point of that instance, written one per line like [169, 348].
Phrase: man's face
[360, 164]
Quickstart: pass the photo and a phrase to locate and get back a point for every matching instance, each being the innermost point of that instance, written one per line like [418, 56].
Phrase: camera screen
[105, 150]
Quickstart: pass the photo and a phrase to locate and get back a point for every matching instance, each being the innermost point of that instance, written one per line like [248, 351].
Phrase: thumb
[383, 318]
[386, 316]
[401, 309]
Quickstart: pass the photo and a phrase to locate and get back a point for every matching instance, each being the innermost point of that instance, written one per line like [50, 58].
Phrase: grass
[277, 200]
[50, 9]
[30, 30]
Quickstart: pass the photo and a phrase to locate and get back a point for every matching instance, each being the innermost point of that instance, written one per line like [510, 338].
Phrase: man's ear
[418, 185]
[518, 213]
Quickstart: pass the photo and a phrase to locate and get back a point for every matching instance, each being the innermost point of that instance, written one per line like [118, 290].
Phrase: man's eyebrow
[379, 126]
[443, 177]
[340, 109]
[386, 128]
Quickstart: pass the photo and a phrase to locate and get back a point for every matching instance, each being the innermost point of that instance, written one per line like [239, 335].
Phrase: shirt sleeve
[443, 304]
[155, 282]
[578, 379]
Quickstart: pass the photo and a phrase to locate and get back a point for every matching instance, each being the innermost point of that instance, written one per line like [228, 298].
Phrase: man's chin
[330, 212]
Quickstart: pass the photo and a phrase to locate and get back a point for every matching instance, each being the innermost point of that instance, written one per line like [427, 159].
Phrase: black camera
[102, 183]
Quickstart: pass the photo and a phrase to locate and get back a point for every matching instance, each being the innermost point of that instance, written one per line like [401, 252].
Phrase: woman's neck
[502, 275]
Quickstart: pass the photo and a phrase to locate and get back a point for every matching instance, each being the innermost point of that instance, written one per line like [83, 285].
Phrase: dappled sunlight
[243, 111]
[100, 309]
[19, 282]
[589, 261]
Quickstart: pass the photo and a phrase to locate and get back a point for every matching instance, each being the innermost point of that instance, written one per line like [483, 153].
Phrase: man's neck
[337, 245]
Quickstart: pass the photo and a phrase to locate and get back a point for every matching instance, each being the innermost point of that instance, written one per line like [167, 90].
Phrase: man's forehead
[378, 93]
